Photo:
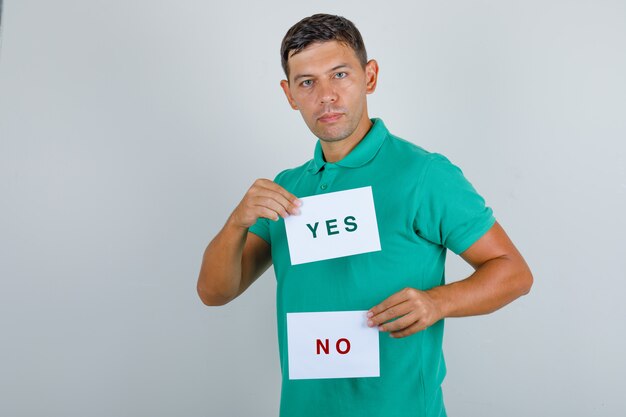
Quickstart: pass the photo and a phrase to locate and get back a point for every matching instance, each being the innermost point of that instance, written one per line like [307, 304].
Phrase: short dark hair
[321, 28]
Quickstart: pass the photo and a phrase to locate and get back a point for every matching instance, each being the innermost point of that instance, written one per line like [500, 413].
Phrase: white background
[130, 129]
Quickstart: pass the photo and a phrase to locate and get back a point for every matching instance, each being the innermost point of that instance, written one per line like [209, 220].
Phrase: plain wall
[129, 130]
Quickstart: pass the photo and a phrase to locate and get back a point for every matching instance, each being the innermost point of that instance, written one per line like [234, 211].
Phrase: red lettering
[338, 346]
[321, 345]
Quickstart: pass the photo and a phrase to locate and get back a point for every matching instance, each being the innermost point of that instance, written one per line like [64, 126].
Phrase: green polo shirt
[423, 205]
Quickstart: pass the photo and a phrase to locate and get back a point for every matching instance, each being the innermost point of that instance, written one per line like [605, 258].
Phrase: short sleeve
[450, 212]
[262, 229]
[262, 226]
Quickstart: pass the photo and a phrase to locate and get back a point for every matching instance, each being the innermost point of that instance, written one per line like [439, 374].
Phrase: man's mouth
[329, 117]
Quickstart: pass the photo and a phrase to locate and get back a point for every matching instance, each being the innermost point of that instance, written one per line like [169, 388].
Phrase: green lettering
[313, 229]
[350, 223]
[330, 226]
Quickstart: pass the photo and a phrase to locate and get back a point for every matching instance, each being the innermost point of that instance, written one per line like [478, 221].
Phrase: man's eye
[307, 83]
[341, 75]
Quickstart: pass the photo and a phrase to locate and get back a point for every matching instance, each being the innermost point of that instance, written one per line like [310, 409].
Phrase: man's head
[328, 76]
[321, 28]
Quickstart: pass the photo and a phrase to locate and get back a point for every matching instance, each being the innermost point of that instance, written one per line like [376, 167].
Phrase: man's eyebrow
[340, 66]
[297, 77]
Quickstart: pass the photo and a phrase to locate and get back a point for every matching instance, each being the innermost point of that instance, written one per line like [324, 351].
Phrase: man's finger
[400, 324]
[393, 300]
[271, 185]
[414, 328]
[268, 214]
[391, 313]
[273, 201]
[290, 206]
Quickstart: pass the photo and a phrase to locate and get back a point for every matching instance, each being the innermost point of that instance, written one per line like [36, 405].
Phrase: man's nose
[327, 93]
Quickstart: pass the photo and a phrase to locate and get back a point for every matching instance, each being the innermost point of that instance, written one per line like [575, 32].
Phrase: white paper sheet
[333, 225]
[336, 344]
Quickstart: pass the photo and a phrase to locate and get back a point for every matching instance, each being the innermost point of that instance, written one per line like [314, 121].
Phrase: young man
[423, 206]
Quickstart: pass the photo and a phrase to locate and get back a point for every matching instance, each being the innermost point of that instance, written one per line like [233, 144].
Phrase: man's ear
[371, 76]
[285, 85]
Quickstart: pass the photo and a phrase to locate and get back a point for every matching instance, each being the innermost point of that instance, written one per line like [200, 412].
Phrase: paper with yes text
[333, 225]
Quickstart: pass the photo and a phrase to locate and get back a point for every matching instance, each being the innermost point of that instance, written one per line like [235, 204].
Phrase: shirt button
[324, 186]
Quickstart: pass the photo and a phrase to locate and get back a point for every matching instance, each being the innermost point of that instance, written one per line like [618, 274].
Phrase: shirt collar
[362, 153]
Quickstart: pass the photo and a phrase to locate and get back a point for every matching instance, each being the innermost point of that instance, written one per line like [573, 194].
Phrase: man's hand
[265, 199]
[501, 275]
[414, 310]
[236, 257]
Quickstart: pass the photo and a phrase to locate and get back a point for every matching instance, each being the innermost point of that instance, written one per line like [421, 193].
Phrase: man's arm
[235, 258]
[501, 275]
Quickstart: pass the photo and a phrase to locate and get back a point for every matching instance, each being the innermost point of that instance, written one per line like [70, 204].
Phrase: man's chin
[331, 134]
[331, 139]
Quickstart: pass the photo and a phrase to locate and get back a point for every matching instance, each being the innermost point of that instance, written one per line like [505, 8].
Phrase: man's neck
[336, 151]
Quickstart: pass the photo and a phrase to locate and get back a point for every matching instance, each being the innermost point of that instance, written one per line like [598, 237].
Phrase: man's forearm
[500, 276]
[220, 274]
[493, 285]
[231, 263]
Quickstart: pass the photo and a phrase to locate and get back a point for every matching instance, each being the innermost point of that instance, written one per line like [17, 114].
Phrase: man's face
[329, 86]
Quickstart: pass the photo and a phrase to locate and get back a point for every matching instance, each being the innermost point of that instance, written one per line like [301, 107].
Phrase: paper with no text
[336, 344]
[333, 225]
